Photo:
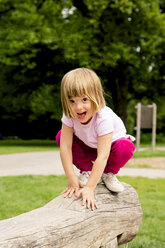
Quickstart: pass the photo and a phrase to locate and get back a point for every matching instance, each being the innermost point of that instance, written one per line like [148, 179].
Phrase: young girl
[93, 137]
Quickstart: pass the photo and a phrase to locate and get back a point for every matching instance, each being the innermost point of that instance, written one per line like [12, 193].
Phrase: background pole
[138, 126]
[154, 127]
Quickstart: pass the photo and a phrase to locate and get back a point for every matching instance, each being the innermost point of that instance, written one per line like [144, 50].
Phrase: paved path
[48, 163]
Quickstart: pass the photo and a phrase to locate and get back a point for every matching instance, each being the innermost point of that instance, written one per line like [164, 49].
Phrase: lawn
[24, 193]
[19, 146]
[21, 149]
[21, 194]
[151, 196]
[148, 153]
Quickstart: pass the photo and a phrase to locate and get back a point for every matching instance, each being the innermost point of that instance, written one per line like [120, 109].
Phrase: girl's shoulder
[105, 113]
[67, 121]
[104, 121]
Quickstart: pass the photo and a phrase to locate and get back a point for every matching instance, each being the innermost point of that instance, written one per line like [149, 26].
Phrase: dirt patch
[155, 163]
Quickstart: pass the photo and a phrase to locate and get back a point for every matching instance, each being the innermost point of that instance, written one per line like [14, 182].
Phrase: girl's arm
[66, 141]
[103, 150]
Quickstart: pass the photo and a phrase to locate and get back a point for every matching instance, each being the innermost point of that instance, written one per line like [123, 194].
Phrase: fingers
[92, 205]
[96, 206]
[84, 201]
[77, 193]
[64, 191]
[81, 186]
[68, 192]
[89, 202]
[87, 199]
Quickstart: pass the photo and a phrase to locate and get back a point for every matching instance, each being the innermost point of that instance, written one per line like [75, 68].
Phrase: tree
[120, 40]
[123, 41]
[32, 60]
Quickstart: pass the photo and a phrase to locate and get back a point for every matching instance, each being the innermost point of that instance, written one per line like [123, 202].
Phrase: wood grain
[66, 223]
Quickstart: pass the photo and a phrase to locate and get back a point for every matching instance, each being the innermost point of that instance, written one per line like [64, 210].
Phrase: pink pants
[83, 155]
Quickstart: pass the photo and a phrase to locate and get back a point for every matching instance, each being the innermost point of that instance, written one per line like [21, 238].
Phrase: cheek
[93, 110]
[71, 109]
[90, 107]
[71, 106]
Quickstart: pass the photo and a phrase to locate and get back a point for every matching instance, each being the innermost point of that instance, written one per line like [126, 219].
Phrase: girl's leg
[121, 151]
[82, 154]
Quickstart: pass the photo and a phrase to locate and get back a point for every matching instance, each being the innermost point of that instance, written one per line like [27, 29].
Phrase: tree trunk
[66, 223]
[119, 91]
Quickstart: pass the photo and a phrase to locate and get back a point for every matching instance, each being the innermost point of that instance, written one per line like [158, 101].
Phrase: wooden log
[66, 223]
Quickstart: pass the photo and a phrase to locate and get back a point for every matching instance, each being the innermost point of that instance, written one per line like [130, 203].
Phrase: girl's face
[82, 109]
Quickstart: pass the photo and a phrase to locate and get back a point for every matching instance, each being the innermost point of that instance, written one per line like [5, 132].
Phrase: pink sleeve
[104, 126]
[67, 121]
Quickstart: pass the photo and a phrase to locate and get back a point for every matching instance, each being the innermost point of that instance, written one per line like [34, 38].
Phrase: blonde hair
[81, 82]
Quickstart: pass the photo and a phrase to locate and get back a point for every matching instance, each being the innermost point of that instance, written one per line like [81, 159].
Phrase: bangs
[74, 89]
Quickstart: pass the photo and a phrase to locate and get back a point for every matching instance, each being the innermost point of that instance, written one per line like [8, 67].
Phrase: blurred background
[41, 40]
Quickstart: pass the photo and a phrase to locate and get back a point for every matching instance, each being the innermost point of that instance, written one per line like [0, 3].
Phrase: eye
[85, 99]
[71, 101]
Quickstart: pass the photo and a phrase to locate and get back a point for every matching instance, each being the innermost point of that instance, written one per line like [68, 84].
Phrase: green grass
[24, 193]
[149, 153]
[151, 195]
[138, 166]
[19, 146]
[21, 149]
[10, 149]
[18, 142]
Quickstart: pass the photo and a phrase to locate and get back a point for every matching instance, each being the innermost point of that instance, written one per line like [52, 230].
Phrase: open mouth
[81, 115]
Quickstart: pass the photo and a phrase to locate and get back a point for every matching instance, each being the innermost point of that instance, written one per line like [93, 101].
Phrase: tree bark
[119, 89]
[66, 223]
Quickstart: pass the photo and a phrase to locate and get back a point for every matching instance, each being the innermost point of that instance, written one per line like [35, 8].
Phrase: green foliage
[125, 39]
[45, 100]
[31, 59]
[146, 138]
[41, 40]
[25, 24]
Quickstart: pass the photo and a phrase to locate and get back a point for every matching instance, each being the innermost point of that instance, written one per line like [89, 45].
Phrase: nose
[79, 106]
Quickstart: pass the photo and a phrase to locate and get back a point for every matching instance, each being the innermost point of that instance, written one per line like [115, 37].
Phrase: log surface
[66, 223]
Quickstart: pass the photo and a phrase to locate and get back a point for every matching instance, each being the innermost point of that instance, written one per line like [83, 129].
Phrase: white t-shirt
[103, 122]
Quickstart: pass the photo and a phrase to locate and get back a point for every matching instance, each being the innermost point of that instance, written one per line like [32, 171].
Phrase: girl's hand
[88, 197]
[73, 187]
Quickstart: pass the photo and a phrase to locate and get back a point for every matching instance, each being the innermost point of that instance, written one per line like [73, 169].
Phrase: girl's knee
[124, 147]
[58, 138]
[127, 149]
[121, 151]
